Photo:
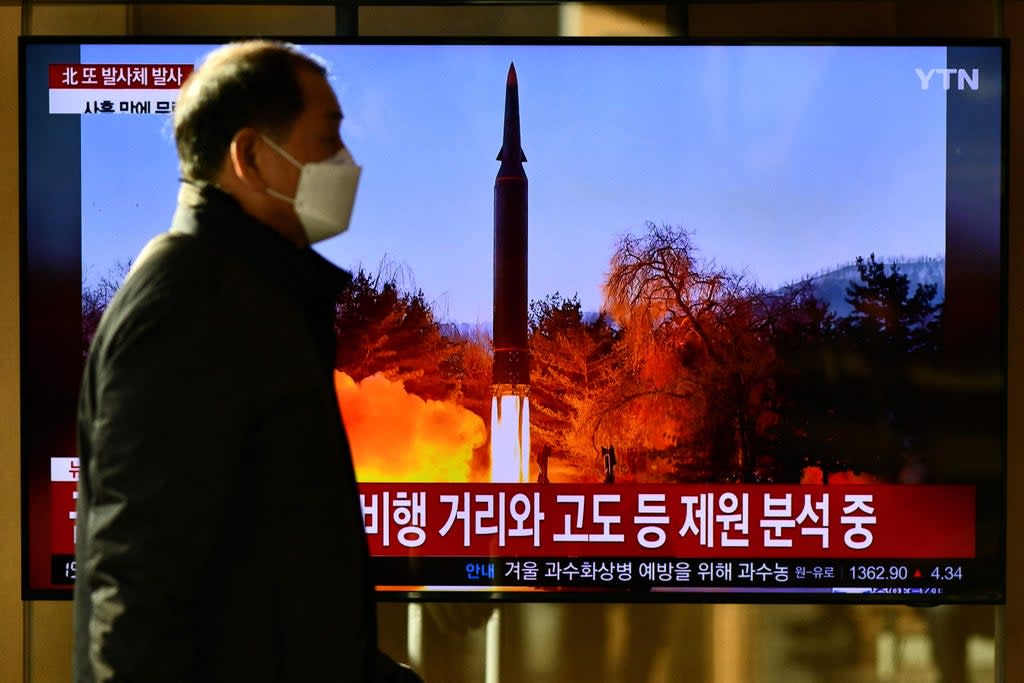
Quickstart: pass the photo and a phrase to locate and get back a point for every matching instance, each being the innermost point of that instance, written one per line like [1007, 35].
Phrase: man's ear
[243, 154]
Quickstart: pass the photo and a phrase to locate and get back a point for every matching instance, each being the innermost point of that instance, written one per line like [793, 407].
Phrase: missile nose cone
[511, 150]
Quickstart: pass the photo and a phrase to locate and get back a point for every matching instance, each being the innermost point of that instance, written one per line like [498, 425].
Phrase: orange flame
[399, 437]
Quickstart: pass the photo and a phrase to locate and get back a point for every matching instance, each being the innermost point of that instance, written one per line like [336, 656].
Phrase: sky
[783, 161]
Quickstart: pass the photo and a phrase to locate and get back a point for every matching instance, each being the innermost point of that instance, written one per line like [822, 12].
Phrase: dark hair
[250, 83]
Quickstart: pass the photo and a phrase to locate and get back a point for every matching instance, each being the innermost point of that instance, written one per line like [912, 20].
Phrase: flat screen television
[631, 320]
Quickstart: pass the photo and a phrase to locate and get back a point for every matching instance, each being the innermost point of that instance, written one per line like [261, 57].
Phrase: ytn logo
[964, 78]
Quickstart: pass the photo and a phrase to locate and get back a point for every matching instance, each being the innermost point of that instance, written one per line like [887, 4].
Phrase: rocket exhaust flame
[510, 376]
[510, 438]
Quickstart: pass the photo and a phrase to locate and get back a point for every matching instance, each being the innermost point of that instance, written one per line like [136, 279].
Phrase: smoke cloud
[399, 437]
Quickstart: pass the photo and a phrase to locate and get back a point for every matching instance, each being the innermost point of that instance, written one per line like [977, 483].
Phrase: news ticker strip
[645, 576]
[619, 573]
[647, 573]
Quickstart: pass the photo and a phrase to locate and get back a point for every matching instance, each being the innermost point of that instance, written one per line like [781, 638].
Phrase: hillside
[831, 286]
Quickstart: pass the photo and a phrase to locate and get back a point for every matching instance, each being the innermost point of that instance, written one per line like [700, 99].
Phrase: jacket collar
[207, 211]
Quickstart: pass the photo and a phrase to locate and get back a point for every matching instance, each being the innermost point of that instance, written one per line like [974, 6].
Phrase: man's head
[247, 103]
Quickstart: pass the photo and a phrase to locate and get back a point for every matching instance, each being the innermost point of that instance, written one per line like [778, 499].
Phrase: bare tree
[96, 298]
[698, 339]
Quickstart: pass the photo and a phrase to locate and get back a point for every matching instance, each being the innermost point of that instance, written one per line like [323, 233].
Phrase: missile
[510, 377]
[511, 372]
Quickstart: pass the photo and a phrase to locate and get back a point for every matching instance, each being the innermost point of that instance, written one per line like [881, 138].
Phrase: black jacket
[219, 531]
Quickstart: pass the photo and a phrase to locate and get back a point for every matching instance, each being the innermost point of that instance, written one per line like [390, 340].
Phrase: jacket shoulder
[175, 259]
[176, 277]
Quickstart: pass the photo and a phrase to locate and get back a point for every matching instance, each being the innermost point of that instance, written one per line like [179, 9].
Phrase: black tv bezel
[995, 597]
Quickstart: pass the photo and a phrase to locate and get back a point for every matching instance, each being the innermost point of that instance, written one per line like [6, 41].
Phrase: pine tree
[572, 367]
[887, 320]
[381, 329]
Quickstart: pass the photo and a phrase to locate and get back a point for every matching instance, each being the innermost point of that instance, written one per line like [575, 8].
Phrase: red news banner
[637, 520]
[118, 76]
[650, 520]
[115, 88]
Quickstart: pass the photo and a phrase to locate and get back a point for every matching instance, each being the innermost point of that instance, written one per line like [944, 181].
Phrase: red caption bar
[63, 508]
[594, 520]
[119, 76]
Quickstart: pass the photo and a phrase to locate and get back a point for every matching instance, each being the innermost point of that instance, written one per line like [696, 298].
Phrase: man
[220, 535]
[542, 464]
[609, 464]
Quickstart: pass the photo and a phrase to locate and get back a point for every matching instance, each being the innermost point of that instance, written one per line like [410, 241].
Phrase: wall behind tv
[11, 617]
[35, 638]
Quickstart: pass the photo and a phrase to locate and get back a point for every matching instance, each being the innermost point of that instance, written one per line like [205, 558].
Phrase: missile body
[510, 379]
[511, 372]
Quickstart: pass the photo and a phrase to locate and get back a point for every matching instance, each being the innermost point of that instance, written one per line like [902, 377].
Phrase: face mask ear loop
[277, 148]
[280, 150]
[283, 197]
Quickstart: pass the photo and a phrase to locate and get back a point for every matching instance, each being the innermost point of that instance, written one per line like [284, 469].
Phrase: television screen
[630, 320]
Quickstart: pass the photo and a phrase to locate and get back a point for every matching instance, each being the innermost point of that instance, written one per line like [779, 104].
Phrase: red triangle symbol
[917, 574]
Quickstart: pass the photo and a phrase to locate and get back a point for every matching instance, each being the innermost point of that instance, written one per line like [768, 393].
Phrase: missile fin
[501, 154]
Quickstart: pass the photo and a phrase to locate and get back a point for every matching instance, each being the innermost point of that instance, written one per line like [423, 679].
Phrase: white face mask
[325, 194]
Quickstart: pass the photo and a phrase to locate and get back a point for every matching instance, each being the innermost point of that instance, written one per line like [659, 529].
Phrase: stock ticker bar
[659, 575]
[668, 574]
